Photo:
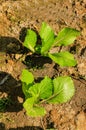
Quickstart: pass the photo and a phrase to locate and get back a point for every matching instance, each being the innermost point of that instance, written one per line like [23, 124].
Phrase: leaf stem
[54, 95]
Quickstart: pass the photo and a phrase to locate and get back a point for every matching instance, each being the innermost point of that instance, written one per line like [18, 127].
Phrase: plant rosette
[55, 91]
[49, 40]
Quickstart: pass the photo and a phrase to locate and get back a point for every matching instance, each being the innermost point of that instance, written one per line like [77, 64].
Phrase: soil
[15, 17]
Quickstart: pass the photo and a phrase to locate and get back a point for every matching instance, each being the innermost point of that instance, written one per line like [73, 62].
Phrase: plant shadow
[11, 45]
[27, 128]
[36, 61]
[2, 127]
[11, 89]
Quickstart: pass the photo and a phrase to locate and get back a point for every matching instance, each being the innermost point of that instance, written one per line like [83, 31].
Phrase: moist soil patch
[15, 17]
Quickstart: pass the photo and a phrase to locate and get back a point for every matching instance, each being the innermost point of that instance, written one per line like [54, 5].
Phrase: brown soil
[15, 17]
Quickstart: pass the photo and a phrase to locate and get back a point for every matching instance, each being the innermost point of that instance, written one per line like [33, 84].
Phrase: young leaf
[32, 109]
[25, 89]
[35, 90]
[47, 37]
[43, 89]
[46, 87]
[66, 36]
[63, 58]
[63, 90]
[30, 40]
[27, 77]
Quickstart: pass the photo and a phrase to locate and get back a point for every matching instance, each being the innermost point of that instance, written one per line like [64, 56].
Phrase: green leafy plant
[49, 40]
[55, 91]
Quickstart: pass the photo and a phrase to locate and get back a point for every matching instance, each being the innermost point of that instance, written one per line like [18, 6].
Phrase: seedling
[49, 40]
[55, 91]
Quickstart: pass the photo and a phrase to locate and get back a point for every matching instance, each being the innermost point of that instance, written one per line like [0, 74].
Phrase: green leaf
[43, 89]
[46, 87]
[63, 90]
[66, 37]
[27, 77]
[30, 40]
[35, 90]
[25, 89]
[32, 109]
[63, 58]
[47, 37]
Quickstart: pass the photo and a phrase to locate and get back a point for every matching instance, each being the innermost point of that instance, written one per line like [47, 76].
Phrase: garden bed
[15, 17]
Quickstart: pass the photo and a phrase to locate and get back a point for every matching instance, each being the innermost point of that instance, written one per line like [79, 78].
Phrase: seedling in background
[48, 40]
[55, 91]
